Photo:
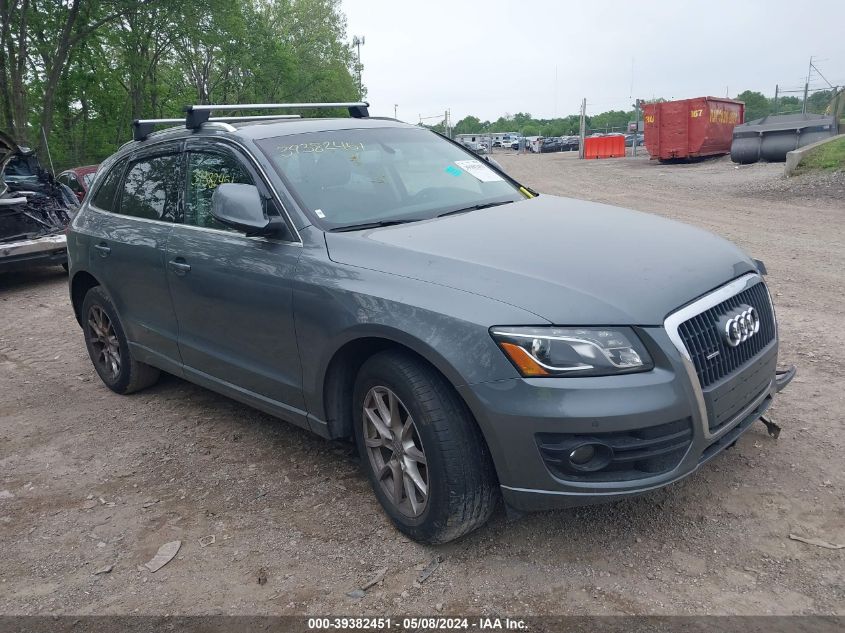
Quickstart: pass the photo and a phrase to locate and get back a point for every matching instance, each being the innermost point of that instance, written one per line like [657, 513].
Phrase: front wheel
[423, 453]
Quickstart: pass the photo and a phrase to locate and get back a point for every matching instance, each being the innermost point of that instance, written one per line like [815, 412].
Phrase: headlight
[552, 351]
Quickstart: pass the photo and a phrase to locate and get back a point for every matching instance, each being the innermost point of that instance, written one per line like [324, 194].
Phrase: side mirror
[240, 206]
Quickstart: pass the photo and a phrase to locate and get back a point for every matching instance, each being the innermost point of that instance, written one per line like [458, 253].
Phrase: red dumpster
[612, 146]
[691, 127]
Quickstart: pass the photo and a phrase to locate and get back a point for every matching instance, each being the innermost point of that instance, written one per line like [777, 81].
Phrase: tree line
[757, 105]
[75, 73]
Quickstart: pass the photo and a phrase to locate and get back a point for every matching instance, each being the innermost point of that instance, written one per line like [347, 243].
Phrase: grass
[828, 156]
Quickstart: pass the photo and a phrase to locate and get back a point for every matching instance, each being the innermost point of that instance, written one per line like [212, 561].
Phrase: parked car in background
[550, 144]
[479, 147]
[570, 143]
[629, 139]
[368, 279]
[34, 210]
[79, 179]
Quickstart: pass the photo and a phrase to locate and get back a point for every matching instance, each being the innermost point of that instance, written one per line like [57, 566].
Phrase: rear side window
[151, 188]
[104, 198]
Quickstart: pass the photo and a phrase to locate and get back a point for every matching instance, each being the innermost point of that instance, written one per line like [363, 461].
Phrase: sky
[492, 57]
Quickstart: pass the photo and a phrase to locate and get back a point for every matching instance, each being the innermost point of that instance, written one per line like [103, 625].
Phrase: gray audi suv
[372, 280]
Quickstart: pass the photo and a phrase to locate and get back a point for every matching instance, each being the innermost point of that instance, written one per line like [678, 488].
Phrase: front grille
[636, 454]
[703, 339]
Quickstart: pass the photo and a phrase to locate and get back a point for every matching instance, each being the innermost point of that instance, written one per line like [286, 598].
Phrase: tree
[786, 105]
[756, 104]
[818, 101]
[468, 125]
[81, 70]
[611, 121]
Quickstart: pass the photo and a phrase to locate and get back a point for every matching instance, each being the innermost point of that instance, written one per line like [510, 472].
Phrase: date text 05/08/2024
[418, 623]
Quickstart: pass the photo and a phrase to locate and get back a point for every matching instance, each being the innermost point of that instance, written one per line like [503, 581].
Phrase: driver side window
[206, 170]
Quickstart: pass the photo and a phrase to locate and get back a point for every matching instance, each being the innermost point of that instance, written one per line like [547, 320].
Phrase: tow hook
[771, 427]
[784, 376]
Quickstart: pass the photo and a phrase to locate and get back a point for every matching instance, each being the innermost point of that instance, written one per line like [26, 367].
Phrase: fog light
[582, 455]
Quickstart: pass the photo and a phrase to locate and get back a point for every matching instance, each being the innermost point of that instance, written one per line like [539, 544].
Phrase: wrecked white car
[34, 210]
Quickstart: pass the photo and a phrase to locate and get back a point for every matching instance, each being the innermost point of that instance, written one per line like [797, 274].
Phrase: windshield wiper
[372, 225]
[475, 207]
[381, 223]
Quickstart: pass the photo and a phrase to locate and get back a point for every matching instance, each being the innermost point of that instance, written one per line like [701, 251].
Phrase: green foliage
[831, 155]
[88, 67]
[526, 125]
[756, 104]
[819, 101]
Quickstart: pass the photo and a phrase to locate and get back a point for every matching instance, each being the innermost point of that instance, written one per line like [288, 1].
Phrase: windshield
[370, 176]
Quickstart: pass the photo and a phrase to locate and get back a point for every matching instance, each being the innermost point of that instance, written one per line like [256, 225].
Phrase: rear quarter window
[105, 195]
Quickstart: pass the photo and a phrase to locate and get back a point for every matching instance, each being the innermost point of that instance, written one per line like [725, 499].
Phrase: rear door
[133, 214]
[233, 293]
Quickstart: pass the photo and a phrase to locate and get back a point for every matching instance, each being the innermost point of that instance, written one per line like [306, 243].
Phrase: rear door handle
[103, 249]
[179, 266]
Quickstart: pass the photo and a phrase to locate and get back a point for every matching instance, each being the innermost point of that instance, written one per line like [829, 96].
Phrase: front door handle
[179, 266]
[103, 249]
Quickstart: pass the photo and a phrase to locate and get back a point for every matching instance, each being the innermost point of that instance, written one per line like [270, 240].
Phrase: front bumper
[50, 249]
[657, 422]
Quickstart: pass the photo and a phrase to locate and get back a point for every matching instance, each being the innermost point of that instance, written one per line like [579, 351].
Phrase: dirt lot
[90, 479]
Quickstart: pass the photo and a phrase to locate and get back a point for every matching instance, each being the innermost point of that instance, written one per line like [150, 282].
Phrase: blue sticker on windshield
[453, 171]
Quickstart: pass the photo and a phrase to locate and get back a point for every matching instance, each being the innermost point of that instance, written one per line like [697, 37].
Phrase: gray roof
[266, 129]
[254, 130]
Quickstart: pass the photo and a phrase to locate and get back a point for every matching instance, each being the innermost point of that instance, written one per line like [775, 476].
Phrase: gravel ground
[89, 479]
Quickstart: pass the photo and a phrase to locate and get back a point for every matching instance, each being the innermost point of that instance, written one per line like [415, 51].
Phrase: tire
[112, 359]
[461, 490]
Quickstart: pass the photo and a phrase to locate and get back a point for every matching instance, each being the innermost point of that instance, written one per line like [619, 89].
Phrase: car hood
[568, 261]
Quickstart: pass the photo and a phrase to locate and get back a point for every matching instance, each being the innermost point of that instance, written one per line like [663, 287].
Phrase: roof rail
[196, 115]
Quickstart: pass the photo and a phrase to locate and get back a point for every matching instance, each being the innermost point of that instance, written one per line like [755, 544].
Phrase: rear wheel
[108, 348]
[423, 453]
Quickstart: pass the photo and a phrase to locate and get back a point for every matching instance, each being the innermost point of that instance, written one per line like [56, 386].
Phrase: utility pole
[807, 85]
[446, 124]
[636, 128]
[582, 128]
[358, 42]
[777, 89]
[395, 109]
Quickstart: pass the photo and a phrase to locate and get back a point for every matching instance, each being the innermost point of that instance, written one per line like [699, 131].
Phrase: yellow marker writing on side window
[526, 193]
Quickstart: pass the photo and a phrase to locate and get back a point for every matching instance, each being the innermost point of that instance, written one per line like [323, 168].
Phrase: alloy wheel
[395, 451]
[103, 340]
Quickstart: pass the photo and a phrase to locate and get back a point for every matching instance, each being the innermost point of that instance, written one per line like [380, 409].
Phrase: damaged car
[34, 210]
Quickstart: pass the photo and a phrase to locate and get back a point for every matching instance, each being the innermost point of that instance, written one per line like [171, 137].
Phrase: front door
[233, 294]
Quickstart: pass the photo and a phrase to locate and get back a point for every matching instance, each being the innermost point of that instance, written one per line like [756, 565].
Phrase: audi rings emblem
[741, 326]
